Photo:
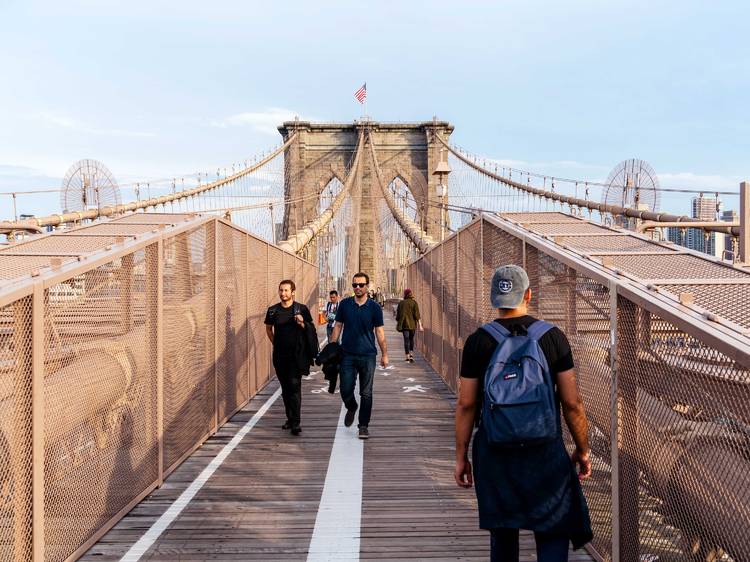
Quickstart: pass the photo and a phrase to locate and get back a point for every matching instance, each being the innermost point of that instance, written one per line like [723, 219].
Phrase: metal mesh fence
[673, 482]
[100, 429]
[133, 360]
[16, 437]
[188, 342]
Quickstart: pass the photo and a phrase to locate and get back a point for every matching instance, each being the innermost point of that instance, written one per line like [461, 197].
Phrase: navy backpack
[519, 399]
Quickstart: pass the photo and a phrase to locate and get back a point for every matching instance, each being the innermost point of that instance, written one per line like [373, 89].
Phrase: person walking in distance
[361, 320]
[407, 322]
[517, 374]
[286, 323]
[331, 307]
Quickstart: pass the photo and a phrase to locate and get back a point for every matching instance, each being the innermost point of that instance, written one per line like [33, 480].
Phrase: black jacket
[311, 341]
[330, 357]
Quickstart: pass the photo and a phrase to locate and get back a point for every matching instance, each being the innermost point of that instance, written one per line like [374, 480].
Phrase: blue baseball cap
[509, 283]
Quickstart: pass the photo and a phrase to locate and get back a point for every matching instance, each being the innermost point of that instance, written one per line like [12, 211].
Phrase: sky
[158, 89]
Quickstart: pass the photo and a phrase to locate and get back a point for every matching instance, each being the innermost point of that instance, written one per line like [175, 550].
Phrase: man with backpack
[517, 374]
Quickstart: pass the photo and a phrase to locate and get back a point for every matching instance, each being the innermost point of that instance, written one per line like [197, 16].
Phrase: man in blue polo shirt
[361, 318]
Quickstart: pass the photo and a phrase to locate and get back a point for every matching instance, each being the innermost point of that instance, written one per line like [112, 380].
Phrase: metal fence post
[155, 330]
[614, 425]
[37, 422]
[216, 325]
[248, 326]
[627, 516]
[458, 312]
[480, 301]
[745, 223]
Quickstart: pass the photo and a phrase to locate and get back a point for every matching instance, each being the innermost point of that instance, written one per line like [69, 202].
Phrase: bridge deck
[263, 501]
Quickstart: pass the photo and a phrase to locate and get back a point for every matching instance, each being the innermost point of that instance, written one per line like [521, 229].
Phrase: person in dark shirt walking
[531, 485]
[285, 326]
[407, 322]
[361, 319]
[331, 307]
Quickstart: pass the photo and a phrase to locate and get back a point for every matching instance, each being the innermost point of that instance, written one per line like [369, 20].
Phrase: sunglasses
[360, 285]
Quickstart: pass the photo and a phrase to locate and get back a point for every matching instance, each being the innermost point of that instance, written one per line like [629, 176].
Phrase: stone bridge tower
[410, 151]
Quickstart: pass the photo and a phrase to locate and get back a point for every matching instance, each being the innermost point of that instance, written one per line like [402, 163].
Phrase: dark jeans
[549, 548]
[329, 331]
[351, 366]
[408, 341]
[291, 393]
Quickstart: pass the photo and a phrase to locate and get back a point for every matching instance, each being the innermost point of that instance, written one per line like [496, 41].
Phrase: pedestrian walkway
[264, 501]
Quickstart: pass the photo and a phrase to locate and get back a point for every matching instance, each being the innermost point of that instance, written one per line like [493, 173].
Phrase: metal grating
[15, 267]
[612, 244]
[100, 401]
[16, 438]
[58, 245]
[544, 218]
[578, 227]
[188, 342]
[727, 301]
[114, 228]
[679, 266]
[684, 467]
[258, 344]
[450, 312]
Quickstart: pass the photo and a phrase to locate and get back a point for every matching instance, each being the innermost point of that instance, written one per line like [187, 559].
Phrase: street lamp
[441, 171]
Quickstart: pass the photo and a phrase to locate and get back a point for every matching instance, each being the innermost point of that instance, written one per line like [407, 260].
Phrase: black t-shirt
[288, 336]
[480, 346]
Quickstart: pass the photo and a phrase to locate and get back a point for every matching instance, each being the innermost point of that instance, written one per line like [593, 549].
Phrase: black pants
[408, 341]
[291, 392]
[549, 548]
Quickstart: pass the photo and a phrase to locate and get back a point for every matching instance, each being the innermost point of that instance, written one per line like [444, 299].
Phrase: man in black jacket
[288, 324]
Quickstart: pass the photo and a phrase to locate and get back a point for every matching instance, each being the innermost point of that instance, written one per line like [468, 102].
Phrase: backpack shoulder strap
[497, 331]
[538, 329]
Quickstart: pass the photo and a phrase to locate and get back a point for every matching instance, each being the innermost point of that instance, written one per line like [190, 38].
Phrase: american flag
[361, 94]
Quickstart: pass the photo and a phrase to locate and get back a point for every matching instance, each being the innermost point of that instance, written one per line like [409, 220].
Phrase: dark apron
[535, 488]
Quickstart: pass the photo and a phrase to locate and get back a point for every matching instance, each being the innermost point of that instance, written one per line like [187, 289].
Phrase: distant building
[704, 209]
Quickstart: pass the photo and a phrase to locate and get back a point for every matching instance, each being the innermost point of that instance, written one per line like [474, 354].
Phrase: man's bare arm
[380, 335]
[269, 332]
[466, 409]
[337, 326]
[575, 418]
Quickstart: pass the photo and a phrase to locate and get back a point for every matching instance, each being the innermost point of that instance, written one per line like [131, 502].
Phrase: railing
[114, 369]
[667, 391]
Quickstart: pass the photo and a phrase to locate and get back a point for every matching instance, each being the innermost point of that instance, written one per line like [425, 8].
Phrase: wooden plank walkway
[262, 503]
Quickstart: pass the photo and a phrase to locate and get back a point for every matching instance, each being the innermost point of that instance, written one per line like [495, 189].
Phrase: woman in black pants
[407, 322]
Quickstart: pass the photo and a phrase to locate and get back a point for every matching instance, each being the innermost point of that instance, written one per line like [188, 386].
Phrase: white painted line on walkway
[337, 526]
[161, 524]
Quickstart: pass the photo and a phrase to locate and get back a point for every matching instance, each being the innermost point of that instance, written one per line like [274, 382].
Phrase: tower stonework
[410, 151]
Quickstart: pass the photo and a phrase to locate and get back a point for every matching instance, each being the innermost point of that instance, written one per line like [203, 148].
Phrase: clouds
[67, 122]
[265, 122]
